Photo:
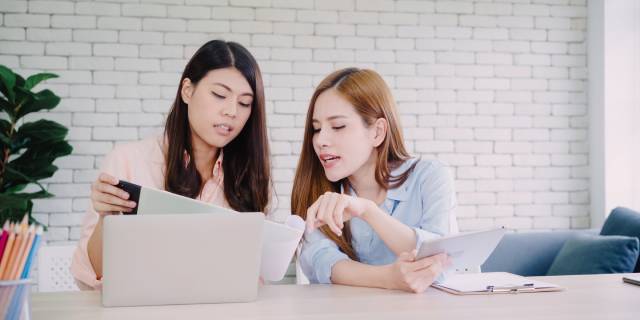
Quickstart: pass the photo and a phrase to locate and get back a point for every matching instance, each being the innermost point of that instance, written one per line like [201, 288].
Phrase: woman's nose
[230, 108]
[323, 139]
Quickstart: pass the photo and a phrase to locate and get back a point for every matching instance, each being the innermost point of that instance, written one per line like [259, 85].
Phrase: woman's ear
[187, 90]
[381, 126]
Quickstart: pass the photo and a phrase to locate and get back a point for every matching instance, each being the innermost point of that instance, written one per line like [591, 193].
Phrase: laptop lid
[181, 258]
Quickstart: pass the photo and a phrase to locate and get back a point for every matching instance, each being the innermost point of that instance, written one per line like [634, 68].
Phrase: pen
[514, 289]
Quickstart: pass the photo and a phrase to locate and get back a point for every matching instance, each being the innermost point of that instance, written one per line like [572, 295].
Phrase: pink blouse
[142, 163]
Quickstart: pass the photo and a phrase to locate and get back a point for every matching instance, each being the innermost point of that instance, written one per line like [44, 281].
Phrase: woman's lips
[329, 161]
[222, 129]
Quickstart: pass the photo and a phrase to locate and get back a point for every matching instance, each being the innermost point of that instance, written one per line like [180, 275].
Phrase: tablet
[155, 201]
[467, 251]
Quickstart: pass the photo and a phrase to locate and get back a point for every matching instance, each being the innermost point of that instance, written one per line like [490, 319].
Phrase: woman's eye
[338, 127]
[316, 130]
[246, 105]
[218, 95]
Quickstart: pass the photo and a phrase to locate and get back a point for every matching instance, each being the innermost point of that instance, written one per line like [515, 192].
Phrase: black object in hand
[134, 193]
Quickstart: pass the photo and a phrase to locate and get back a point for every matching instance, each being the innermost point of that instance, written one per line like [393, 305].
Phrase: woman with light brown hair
[367, 203]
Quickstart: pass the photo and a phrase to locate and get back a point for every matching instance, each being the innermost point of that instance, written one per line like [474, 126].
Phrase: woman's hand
[108, 199]
[333, 209]
[413, 275]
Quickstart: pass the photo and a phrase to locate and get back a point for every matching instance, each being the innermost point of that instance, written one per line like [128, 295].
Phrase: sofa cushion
[588, 254]
[623, 222]
[528, 253]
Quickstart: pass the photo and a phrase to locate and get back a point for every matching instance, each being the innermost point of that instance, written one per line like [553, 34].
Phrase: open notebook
[492, 282]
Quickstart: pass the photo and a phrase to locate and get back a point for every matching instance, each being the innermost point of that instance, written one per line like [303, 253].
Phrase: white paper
[153, 201]
[478, 282]
[279, 241]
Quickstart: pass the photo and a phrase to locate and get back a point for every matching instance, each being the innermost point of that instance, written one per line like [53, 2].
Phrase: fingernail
[125, 195]
[132, 204]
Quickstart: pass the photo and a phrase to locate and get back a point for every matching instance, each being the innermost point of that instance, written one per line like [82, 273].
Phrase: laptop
[181, 258]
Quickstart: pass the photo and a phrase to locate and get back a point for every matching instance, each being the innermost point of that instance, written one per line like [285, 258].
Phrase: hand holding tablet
[466, 251]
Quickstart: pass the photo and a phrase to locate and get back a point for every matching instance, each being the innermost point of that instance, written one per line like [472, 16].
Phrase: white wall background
[614, 90]
[497, 89]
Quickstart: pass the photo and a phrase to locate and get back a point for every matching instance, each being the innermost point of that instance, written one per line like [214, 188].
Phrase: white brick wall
[497, 90]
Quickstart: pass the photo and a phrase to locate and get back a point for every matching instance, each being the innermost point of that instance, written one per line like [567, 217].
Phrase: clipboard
[492, 283]
[632, 279]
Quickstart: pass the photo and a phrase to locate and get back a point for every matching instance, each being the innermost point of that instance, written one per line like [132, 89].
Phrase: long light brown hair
[246, 158]
[367, 92]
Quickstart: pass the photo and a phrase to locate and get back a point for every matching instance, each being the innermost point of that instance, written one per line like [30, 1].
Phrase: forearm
[395, 234]
[352, 273]
[94, 249]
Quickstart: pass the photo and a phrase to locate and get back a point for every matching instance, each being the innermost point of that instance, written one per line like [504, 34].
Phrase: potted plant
[27, 149]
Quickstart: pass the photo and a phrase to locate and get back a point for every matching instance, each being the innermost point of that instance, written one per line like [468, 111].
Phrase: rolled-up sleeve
[438, 204]
[81, 267]
[318, 256]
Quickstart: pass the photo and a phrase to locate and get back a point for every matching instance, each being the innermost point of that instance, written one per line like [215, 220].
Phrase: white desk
[585, 297]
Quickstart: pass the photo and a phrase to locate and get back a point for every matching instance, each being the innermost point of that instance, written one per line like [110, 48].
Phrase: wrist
[387, 276]
[370, 210]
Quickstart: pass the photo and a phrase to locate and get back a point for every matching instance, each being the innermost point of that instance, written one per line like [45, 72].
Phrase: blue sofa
[532, 253]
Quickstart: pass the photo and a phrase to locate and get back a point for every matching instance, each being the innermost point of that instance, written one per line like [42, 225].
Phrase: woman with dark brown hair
[218, 112]
[368, 205]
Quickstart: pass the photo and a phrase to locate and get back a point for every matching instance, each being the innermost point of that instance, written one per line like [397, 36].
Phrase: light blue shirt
[425, 202]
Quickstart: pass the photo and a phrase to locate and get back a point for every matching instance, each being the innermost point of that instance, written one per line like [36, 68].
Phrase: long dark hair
[246, 158]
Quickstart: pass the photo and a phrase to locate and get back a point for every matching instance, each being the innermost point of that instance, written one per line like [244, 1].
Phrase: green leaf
[17, 181]
[34, 164]
[7, 82]
[10, 201]
[5, 126]
[34, 195]
[36, 133]
[16, 189]
[48, 152]
[43, 100]
[22, 97]
[13, 207]
[33, 80]
[7, 107]
[19, 81]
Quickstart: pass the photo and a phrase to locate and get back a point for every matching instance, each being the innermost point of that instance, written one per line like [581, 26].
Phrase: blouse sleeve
[81, 268]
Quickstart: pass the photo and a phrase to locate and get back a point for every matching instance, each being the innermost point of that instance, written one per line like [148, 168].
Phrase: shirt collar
[401, 192]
